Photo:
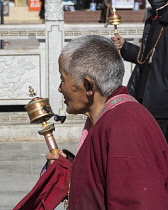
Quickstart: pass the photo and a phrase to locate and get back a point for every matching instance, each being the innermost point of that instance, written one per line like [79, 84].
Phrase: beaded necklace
[151, 51]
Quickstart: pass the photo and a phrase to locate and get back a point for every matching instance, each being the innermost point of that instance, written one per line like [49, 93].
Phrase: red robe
[122, 164]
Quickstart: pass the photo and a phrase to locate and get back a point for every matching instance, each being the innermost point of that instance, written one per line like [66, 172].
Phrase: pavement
[20, 166]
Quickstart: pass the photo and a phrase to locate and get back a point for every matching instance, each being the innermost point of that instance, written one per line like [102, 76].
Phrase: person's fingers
[116, 35]
[52, 156]
[55, 156]
[61, 153]
[49, 162]
[118, 41]
[119, 47]
[114, 38]
[118, 44]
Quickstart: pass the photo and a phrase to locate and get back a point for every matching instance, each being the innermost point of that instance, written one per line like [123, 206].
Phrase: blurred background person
[105, 11]
[42, 10]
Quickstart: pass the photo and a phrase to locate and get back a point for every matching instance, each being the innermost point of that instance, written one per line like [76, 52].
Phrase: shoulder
[127, 111]
[127, 121]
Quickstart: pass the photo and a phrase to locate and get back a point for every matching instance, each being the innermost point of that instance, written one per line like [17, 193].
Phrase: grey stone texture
[20, 166]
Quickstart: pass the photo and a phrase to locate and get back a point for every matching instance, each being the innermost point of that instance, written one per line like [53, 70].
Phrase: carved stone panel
[17, 73]
[54, 10]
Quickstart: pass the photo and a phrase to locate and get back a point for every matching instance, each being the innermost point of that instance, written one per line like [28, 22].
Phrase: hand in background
[118, 41]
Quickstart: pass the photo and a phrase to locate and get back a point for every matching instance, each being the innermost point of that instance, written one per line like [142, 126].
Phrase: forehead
[60, 56]
[63, 74]
[61, 62]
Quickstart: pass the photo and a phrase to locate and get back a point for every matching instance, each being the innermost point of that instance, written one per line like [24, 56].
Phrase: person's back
[123, 163]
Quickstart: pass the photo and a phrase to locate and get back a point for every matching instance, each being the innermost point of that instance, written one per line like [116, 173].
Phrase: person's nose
[59, 88]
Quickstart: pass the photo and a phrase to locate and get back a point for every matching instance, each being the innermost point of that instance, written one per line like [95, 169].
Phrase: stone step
[127, 16]
[21, 14]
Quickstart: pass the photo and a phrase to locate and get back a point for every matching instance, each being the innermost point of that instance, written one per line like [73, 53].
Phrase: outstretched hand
[118, 41]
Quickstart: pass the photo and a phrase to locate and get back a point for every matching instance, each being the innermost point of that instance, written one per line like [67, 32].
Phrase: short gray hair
[97, 57]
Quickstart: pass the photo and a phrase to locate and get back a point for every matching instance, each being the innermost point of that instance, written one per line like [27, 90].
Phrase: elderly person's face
[74, 96]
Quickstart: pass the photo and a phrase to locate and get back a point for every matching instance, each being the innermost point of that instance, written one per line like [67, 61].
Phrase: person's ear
[89, 85]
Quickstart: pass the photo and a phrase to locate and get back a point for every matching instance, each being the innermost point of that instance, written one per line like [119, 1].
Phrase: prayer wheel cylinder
[39, 110]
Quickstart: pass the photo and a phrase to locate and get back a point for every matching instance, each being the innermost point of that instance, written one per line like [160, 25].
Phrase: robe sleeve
[129, 52]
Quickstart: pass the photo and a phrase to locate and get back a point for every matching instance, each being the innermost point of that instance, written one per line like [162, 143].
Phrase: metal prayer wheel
[39, 111]
[115, 20]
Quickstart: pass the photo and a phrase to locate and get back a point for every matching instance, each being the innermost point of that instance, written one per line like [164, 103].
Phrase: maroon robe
[122, 164]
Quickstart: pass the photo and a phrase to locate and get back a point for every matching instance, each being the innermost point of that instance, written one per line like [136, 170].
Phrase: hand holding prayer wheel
[115, 20]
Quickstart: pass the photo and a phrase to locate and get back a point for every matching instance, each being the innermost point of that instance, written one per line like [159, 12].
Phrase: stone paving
[20, 166]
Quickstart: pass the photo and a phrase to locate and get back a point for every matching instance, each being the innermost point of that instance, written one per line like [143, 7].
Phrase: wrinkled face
[74, 96]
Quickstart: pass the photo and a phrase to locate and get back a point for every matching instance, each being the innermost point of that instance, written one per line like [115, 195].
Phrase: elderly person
[122, 159]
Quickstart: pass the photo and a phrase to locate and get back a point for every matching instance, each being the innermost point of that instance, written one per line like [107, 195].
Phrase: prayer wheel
[39, 111]
[115, 20]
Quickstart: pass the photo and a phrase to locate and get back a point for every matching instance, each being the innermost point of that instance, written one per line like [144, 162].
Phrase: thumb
[117, 36]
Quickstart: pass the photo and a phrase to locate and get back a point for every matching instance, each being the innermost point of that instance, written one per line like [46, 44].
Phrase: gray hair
[97, 57]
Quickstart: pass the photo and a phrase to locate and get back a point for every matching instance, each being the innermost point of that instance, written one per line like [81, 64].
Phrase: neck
[96, 108]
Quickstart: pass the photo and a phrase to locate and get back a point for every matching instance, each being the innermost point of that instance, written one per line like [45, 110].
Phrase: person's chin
[70, 111]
